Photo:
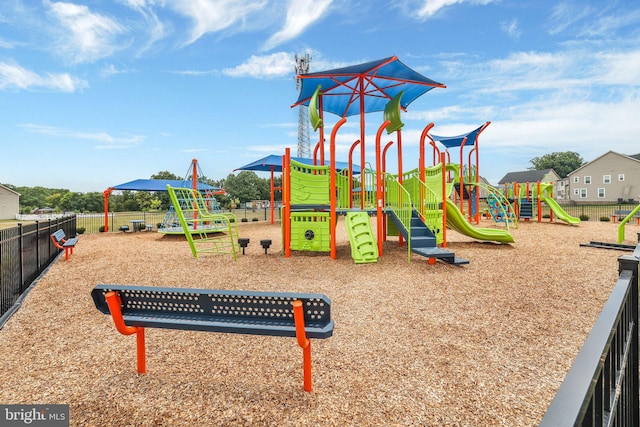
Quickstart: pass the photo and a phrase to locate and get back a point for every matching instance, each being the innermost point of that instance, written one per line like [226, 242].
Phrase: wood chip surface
[487, 344]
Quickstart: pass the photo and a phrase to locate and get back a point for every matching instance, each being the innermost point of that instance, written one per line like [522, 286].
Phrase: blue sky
[96, 93]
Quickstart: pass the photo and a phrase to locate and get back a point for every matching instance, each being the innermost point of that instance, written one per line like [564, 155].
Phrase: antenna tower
[304, 147]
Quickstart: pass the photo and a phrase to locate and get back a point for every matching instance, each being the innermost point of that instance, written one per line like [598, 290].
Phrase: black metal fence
[601, 388]
[25, 252]
[92, 223]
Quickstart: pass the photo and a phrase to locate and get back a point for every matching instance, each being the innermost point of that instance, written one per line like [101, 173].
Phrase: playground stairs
[526, 209]
[465, 194]
[423, 242]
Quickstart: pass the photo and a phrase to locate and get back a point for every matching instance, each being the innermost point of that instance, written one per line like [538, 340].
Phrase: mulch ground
[487, 344]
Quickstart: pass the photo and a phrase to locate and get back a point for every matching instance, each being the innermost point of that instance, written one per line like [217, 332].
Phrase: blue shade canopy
[456, 141]
[265, 164]
[374, 83]
[160, 185]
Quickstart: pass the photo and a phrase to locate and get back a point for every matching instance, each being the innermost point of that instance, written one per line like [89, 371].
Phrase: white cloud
[153, 25]
[274, 65]
[85, 36]
[214, 16]
[107, 140]
[300, 15]
[15, 77]
[430, 8]
[511, 28]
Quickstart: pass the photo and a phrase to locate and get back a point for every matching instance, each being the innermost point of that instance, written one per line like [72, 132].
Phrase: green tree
[563, 162]
[246, 186]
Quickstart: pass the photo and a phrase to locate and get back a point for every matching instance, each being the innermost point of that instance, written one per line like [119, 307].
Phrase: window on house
[583, 193]
[600, 193]
[606, 179]
[587, 180]
[576, 179]
[576, 192]
[621, 177]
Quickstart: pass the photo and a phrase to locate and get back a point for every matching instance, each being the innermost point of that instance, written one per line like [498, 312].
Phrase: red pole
[539, 203]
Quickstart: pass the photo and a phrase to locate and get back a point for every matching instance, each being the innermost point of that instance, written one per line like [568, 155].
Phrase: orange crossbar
[115, 303]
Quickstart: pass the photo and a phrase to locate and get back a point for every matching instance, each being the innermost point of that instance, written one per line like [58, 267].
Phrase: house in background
[533, 177]
[9, 203]
[610, 178]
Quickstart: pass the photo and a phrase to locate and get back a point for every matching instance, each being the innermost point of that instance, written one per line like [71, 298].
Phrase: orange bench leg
[303, 341]
[114, 302]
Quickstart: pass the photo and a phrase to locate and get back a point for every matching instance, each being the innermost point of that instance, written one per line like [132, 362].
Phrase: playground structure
[206, 232]
[415, 206]
[171, 224]
[526, 196]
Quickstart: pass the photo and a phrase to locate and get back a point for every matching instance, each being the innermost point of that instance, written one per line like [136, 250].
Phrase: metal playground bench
[61, 241]
[299, 315]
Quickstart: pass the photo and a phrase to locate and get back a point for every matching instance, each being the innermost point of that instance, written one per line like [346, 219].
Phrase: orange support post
[114, 302]
[286, 202]
[303, 342]
[444, 201]
[353, 146]
[332, 186]
[379, 185]
[539, 203]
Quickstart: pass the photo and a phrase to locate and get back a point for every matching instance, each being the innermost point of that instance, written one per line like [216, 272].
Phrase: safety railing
[25, 252]
[601, 388]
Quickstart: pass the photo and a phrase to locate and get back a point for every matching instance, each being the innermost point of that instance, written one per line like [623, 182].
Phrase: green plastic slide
[457, 221]
[364, 248]
[558, 211]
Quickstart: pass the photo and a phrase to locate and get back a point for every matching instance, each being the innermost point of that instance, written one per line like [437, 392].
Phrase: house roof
[635, 157]
[525, 176]
[8, 189]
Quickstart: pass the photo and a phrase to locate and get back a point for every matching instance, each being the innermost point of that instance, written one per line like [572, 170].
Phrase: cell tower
[304, 147]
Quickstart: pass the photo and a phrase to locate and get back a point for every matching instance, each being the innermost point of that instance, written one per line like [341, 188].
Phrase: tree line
[244, 187]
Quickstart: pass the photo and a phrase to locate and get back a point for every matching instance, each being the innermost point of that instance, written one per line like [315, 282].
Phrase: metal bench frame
[61, 241]
[298, 315]
[621, 214]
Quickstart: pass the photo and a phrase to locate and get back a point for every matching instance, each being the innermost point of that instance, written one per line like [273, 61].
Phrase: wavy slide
[558, 211]
[457, 221]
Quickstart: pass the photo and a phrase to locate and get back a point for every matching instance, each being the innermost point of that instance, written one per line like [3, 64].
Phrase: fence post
[20, 260]
[630, 262]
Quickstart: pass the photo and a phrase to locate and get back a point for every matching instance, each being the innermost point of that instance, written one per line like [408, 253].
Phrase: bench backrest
[59, 235]
[200, 308]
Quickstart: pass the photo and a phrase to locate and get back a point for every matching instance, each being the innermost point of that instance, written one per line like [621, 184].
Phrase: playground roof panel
[372, 83]
[160, 185]
[266, 163]
[456, 141]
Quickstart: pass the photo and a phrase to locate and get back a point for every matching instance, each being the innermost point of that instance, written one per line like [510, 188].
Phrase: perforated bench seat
[298, 315]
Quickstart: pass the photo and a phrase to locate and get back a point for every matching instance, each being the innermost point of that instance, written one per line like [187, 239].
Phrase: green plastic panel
[314, 114]
[310, 231]
[309, 184]
[392, 113]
